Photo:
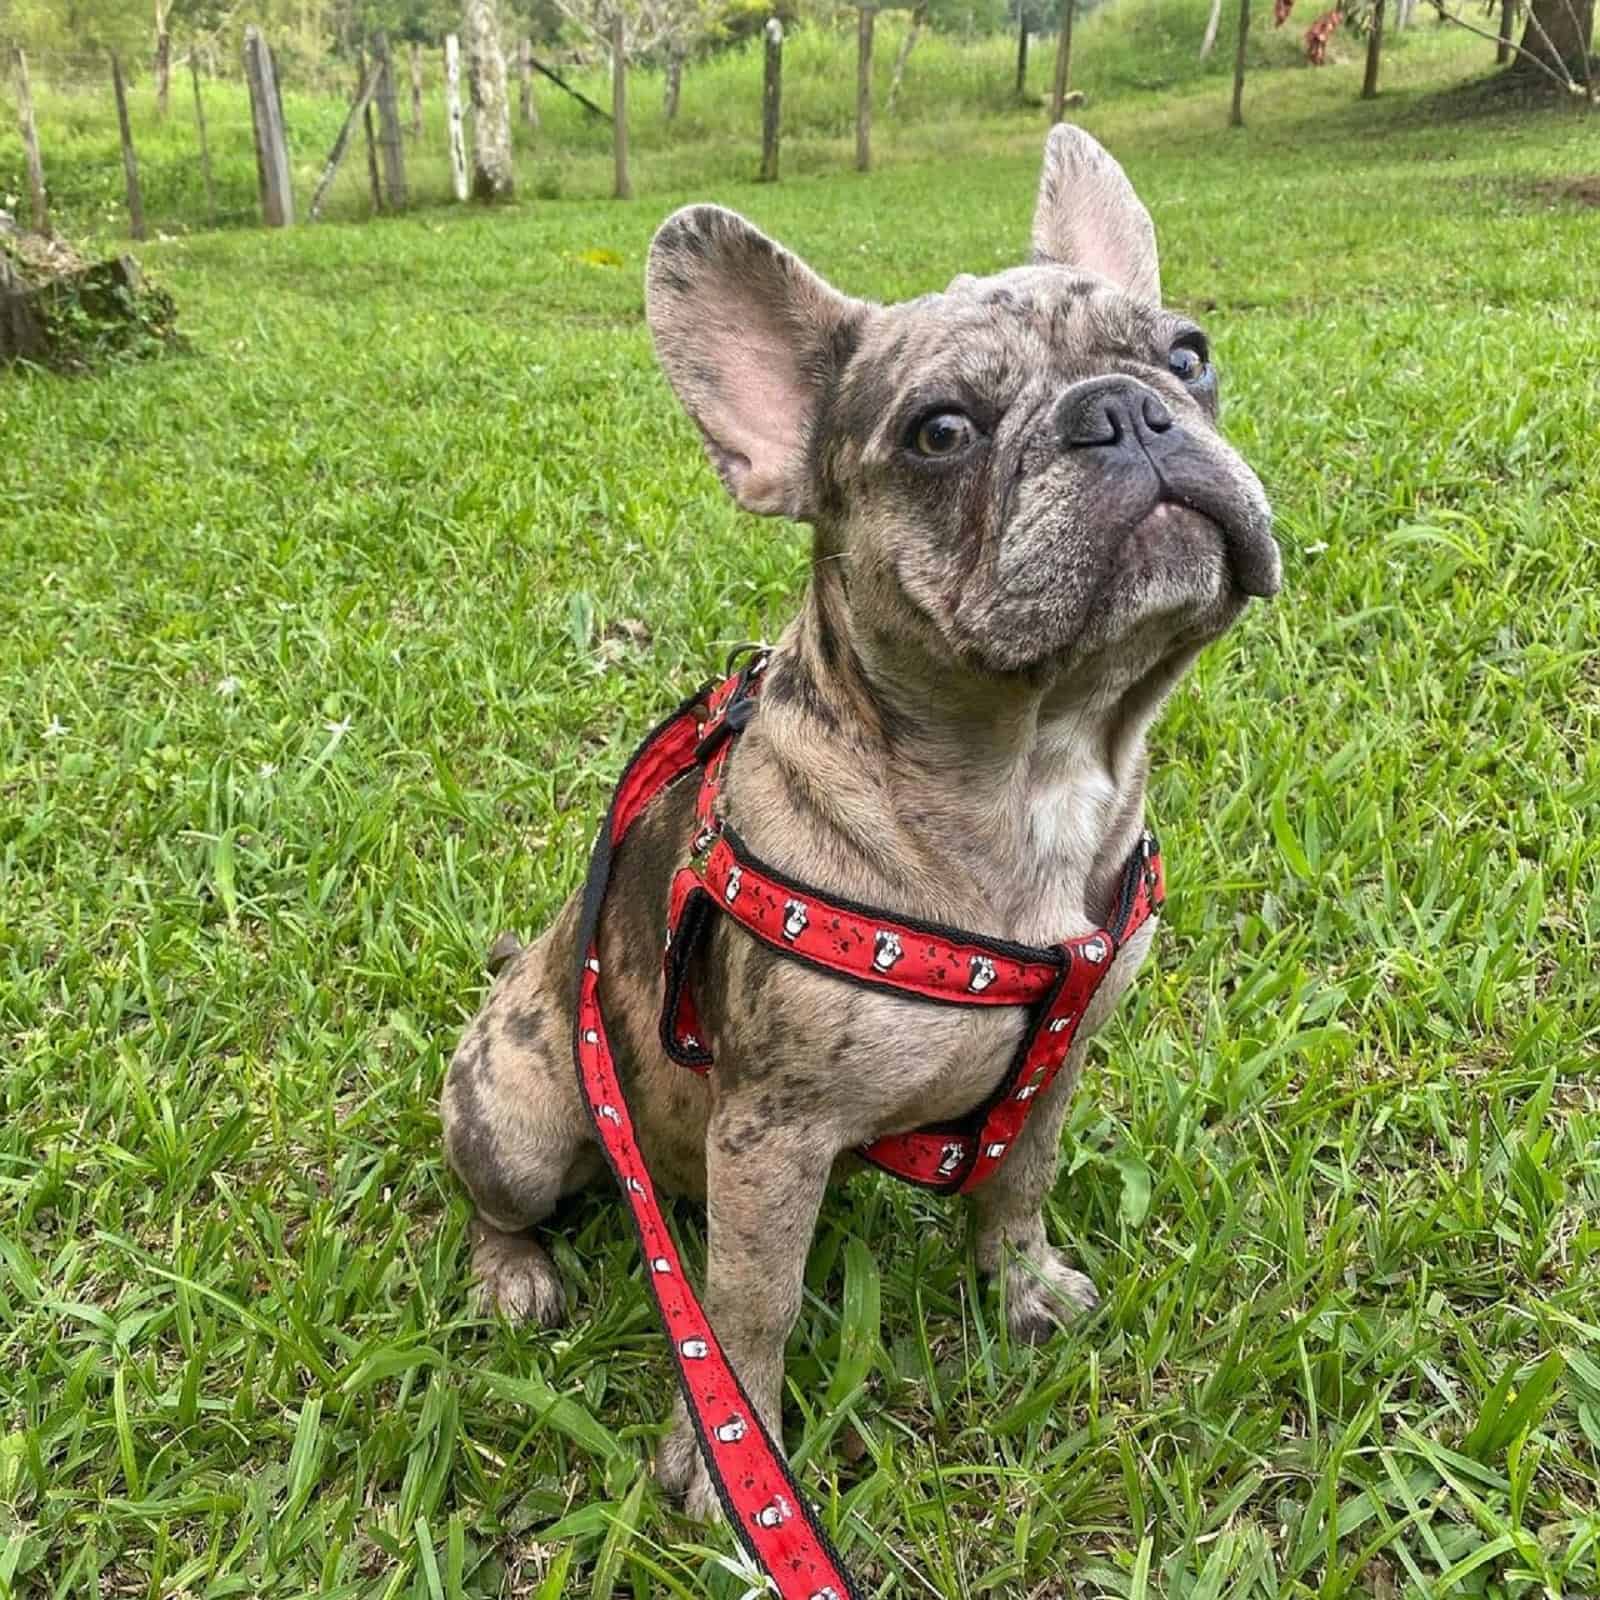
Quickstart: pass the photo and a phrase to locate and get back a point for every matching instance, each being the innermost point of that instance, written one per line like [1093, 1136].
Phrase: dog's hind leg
[515, 1130]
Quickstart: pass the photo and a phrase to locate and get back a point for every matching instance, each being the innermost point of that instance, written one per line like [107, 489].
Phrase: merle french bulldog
[1026, 526]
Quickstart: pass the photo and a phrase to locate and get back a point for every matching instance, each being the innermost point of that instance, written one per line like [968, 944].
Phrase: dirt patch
[1575, 191]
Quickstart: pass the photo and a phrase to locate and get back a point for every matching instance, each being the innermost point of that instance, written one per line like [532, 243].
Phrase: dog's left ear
[1089, 217]
[750, 339]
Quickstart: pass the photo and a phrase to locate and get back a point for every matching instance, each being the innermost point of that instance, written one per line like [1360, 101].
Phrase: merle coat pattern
[1026, 526]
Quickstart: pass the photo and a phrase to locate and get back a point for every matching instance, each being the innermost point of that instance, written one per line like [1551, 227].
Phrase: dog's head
[1022, 474]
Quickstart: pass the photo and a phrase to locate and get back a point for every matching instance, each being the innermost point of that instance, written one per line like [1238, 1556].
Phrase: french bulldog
[1026, 525]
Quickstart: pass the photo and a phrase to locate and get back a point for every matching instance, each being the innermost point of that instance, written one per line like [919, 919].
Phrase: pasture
[320, 646]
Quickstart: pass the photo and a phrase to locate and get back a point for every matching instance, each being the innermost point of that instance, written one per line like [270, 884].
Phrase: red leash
[943, 965]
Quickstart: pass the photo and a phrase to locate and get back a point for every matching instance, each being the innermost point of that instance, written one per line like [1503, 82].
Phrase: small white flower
[340, 728]
[267, 768]
[1317, 548]
[55, 728]
[227, 686]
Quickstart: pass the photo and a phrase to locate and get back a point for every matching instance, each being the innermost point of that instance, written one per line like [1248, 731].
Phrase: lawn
[319, 648]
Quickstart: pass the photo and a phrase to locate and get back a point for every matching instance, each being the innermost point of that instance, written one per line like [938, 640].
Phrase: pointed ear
[750, 339]
[1089, 217]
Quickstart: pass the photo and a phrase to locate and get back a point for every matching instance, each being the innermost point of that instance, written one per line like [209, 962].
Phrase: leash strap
[764, 1505]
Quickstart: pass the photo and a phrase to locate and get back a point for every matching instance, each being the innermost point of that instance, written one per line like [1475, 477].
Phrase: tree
[1558, 35]
[491, 103]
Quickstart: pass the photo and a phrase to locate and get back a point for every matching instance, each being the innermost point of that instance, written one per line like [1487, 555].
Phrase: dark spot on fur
[791, 683]
[474, 1151]
[526, 1027]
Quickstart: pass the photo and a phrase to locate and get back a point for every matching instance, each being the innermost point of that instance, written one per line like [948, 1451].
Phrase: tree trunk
[416, 90]
[1213, 22]
[621, 188]
[491, 107]
[919, 15]
[1022, 51]
[1058, 92]
[1558, 34]
[1369, 84]
[1508, 17]
[1236, 116]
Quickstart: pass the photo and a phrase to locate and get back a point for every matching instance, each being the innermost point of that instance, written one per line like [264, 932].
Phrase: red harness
[942, 965]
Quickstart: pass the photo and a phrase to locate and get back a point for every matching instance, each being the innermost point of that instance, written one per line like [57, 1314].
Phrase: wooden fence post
[416, 90]
[1022, 49]
[771, 101]
[205, 146]
[394, 160]
[130, 162]
[1058, 92]
[266, 115]
[1508, 20]
[864, 90]
[1236, 116]
[919, 15]
[1369, 84]
[621, 189]
[163, 68]
[374, 182]
[30, 143]
[530, 106]
[357, 109]
[452, 101]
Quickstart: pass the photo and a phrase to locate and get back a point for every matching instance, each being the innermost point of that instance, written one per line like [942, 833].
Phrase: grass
[315, 675]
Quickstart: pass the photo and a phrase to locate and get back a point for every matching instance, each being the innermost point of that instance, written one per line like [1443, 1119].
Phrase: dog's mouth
[1246, 542]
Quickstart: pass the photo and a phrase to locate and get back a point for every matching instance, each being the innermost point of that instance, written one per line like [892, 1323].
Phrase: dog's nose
[1111, 412]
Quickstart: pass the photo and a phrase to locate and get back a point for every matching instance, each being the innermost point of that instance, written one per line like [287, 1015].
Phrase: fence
[352, 139]
[260, 134]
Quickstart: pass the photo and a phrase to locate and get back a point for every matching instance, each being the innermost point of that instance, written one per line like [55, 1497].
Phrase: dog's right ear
[750, 338]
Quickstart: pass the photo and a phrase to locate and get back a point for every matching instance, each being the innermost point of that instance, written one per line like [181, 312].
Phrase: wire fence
[191, 150]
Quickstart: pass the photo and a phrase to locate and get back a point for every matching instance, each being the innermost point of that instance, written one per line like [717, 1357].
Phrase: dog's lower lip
[1254, 570]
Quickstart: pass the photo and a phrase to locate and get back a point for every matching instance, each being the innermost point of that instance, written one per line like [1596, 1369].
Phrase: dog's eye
[1188, 363]
[946, 433]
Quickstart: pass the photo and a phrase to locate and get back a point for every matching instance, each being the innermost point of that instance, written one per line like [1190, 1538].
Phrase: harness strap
[947, 966]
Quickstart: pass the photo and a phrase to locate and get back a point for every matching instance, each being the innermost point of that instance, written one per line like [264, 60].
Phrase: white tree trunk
[491, 104]
[1213, 22]
[452, 100]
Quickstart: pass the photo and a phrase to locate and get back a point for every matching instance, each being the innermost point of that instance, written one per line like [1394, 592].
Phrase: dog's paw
[516, 1277]
[1043, 1294]
[681, 1470]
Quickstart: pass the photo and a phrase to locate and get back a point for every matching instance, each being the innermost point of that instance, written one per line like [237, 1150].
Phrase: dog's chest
[869, 1062]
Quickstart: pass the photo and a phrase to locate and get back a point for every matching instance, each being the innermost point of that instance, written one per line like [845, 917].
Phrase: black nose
[1111, 412]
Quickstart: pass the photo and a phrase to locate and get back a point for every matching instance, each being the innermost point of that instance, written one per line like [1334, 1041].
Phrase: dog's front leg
[764, 1187]
[1042, 1289]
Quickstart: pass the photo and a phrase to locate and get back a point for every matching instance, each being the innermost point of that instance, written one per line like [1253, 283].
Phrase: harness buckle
[735, 715]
